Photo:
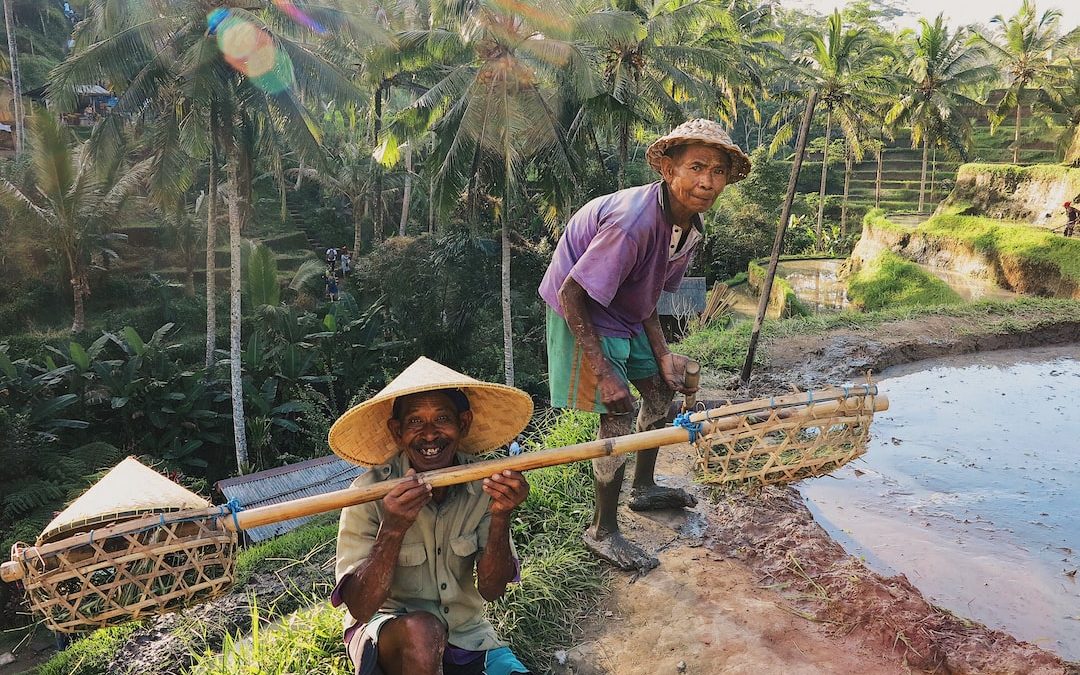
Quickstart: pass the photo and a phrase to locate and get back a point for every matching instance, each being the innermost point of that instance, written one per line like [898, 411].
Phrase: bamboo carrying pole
[824, 404]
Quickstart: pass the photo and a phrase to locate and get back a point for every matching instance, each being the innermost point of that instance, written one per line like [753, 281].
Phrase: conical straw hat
[130, 489]
[706, 132]
[499, 414]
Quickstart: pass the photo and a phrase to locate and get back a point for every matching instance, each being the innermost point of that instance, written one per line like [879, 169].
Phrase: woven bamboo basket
[134, 544]
[783, 443]
[146, 566]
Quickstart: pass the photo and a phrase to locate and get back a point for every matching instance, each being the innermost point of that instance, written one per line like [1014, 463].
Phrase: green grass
[726, 349]
[891, 281]
[308, 642]
[91, 655]
[295, 545]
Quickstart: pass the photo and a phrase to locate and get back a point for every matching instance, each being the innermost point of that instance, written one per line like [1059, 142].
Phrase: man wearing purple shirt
[615, 257]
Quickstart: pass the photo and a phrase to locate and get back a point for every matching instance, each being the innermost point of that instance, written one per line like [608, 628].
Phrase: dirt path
[751, 584]
[703, 611]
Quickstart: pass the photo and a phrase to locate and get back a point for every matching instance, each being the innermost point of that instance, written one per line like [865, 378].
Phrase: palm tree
[845, 71]
[74, 202]
[1064, 101]
[235, 79]
[943, 67]
[494, 109]
[1024, 47]
[348, 174]
[16, 79]
[649, 67]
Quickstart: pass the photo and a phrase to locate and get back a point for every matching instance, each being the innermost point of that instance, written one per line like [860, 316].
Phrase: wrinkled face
[695, 175]
[428, 428]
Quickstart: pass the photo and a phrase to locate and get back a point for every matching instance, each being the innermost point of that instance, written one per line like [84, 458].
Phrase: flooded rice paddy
[817, 285]
[971, 488]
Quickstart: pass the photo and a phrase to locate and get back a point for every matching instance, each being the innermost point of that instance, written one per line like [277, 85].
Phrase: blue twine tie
[234, 507]
[693, 428]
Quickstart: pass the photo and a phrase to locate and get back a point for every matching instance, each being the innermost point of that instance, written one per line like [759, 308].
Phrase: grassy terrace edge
[1014, 241]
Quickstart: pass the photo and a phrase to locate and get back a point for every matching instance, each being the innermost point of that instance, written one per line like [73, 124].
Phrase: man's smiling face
[428, 427]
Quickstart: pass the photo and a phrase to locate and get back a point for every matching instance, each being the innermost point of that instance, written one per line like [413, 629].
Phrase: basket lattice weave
[146, 566]
[784, 445]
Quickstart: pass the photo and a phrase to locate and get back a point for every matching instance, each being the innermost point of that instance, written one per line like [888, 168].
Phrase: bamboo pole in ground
[778, 242]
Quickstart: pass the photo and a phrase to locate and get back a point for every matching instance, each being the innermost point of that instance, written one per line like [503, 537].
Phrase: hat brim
[500, 413]
[740, 163]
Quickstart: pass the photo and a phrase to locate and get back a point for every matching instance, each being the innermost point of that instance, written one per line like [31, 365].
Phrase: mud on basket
[87, 570]
[786, 439]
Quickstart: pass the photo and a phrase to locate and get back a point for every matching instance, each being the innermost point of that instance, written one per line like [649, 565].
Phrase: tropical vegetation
[447, 142]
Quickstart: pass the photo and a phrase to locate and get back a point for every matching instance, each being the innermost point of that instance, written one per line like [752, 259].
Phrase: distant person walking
[331, 284]
[1073, 218]
[331, 260]
[346, 261]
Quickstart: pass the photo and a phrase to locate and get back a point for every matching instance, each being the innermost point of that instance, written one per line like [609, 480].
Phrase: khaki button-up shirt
[436, 568]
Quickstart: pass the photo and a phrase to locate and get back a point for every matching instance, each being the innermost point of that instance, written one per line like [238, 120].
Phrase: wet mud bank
[774, 533]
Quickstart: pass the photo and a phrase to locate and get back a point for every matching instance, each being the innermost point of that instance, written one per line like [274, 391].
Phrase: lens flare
[251, 51]
[214, 19]
[289, 8]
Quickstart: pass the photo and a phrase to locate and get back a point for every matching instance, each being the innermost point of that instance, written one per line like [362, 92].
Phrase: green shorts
[570, 379]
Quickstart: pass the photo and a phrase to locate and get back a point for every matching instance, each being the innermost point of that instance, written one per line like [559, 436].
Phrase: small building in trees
[677, 310]
[92, 102]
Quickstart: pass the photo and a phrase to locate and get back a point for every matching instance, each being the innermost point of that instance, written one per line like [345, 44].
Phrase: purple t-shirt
[616, 247]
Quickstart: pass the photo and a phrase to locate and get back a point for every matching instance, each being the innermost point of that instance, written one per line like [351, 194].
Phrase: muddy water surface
[971, 488]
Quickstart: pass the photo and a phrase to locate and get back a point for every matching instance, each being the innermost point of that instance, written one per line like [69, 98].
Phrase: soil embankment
[750, 583]
[1030, 275]
[1033, 194]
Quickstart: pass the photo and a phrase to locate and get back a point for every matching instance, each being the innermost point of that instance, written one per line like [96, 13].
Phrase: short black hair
[457, 397]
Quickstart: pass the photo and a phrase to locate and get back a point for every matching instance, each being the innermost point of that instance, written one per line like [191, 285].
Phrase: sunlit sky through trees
[958, 12]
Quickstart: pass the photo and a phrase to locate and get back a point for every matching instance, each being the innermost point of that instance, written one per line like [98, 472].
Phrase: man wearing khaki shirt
[406, 564]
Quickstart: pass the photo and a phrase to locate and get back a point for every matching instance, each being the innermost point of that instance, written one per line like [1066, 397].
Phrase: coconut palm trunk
[358, 224]
[79, 290]
[1016, 133]
[507, 309]
[824, 177]
[922, 178]
[847, 190]
[211, 260]
[16, 80]
[624, 152]
[407, 191]
[237, 208]
[377, 191]
[933, 178]
[877, 178]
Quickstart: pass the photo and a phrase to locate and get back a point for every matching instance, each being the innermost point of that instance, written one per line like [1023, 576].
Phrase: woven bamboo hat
[706, 132]
[130, 489]
[499, 414]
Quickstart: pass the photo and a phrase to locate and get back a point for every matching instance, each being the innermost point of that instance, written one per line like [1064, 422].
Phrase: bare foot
[618, 551]
[655, 498]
